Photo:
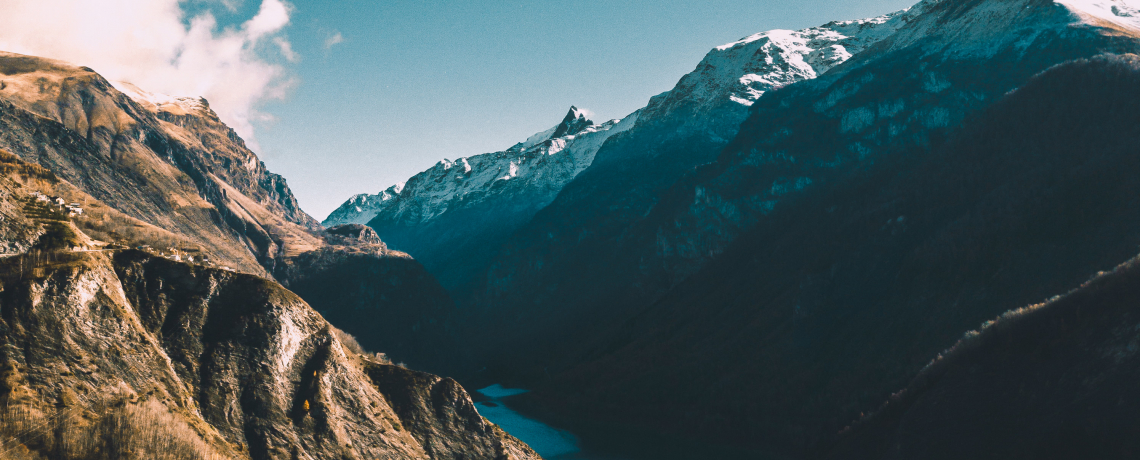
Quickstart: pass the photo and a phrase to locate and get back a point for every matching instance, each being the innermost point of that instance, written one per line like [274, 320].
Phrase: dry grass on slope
[123, 431]
[98, 221]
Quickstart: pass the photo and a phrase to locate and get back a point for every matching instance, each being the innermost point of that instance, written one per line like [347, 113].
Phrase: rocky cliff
[174, 166]
[169, 351]
[192, 188]
[242, 364]
[384, 298]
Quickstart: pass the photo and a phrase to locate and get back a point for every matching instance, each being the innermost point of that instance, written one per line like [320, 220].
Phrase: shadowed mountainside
[576, 268]
[1049, 381]
[842, 293]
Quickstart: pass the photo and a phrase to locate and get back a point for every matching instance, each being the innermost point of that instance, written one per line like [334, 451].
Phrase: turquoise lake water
[551, 443]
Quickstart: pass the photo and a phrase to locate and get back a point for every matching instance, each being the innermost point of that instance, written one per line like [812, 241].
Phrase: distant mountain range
[453, 214]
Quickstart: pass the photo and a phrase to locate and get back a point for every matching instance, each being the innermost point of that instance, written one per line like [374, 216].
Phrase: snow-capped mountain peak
[742, 71]
[983, 28]
[539, 166]
[574, 122]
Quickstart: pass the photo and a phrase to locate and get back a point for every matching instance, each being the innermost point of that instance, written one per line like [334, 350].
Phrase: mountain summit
[575, 122]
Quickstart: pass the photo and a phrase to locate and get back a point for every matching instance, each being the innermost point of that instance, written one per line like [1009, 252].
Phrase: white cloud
[152, 44]
[333, 40]
[286, 49]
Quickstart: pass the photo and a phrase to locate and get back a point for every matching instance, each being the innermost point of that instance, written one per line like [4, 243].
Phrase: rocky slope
[172, 165]
[451, 216]
[384, 298]
[247, 366]
[108, 352]
[782, 248]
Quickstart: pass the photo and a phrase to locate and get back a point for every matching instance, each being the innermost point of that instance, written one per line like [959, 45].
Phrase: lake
[551, 443]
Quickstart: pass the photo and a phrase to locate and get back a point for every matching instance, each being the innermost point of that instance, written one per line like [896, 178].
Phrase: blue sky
[414, 82]
[353, 96]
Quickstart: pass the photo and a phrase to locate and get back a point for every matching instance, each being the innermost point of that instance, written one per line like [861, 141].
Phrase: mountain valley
[907, 236]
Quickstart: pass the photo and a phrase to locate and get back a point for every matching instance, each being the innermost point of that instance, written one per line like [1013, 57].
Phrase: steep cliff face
[222, 152]
[247, 365]
[173, 165]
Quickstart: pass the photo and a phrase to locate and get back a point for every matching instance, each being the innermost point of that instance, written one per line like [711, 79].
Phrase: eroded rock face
[416, 394]
[254, 370]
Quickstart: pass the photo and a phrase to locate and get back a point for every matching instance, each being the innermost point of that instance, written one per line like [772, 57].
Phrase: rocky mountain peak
[575, 122]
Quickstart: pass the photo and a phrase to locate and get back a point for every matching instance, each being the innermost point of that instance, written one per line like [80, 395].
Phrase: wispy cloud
[153, 44]
[286, 49]
[333, 39]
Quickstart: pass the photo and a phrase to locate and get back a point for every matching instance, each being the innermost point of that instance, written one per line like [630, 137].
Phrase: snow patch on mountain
[1122, 12]
[715, 95]
[540, 166]
[994, 26]
[363, 207]
[157, 102]
[742, 71]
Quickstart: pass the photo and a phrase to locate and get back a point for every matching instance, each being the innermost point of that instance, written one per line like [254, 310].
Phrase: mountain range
[907, 236]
